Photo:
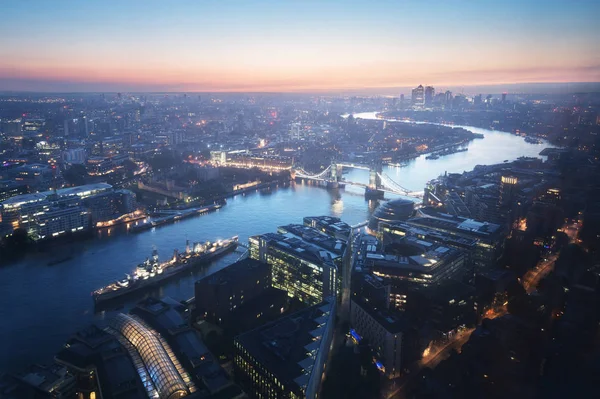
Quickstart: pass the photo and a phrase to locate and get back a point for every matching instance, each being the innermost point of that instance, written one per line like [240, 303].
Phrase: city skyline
[267, 46]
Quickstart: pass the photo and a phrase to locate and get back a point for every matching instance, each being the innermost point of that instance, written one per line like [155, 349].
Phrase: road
[532, 278]
[398, 386]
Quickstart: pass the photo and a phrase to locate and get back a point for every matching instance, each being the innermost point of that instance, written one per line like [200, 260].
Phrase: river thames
[41, 306]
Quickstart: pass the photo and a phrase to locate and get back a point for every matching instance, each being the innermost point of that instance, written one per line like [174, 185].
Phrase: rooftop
[80, 191]
[434, 219]
[165, 317]
[314, 236]
[283, 347]
[428, 261]
[240, 270]
[391, 321]
[300, 248]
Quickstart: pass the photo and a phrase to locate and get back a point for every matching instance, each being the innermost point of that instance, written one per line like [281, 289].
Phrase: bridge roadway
[387, 184]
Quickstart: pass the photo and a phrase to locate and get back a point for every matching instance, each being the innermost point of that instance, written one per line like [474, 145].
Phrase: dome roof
[391, 211]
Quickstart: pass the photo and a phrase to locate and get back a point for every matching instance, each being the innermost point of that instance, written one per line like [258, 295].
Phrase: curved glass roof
[162, 371]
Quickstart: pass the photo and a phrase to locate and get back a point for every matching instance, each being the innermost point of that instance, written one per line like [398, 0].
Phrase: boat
[432, 156]
[59, 260]
[151, 272]
[533, 140]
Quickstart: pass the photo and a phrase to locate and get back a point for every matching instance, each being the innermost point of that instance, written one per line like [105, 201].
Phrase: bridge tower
[374, 188]
[335, 175]
[336, 172]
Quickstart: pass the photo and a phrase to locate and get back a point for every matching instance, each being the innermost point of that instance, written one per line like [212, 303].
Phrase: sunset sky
[294, 46]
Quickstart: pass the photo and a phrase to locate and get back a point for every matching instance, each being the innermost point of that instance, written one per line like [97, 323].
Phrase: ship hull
[167, 274]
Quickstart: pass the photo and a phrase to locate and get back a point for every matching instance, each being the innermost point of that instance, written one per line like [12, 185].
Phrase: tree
[572, 262]
[15, 245]
[163, 161]
[76, 175]
[130, 167]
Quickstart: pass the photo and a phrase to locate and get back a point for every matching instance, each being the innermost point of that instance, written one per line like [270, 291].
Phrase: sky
[294, 46]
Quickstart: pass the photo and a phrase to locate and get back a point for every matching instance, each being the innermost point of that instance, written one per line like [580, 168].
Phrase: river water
[41, 305]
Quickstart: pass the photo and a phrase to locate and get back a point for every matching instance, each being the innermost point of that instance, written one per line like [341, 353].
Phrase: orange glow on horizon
[313, 79]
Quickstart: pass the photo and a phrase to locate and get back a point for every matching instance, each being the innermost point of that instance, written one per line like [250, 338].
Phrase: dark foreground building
[219, 295]
[286, 358]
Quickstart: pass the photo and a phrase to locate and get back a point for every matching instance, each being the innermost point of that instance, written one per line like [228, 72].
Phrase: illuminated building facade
[305, 271]
[102, 166]
[286, 358]
[508, 188]
[110, 205]
[54, 213]
[433, 266]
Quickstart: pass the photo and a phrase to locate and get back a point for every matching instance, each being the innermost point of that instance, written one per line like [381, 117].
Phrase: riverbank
[479, 120]
[65, 288]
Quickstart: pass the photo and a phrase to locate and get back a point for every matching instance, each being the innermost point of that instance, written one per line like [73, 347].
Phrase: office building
[102, 166]
[296, 132]
[315, 237]
[401, 232]
[305, 271]
[36, 176]
[448, 99]
[75, 156]
[329, 225]
[433, 265]
[286, 358]
[221, 293]
[418, 97]
[11, 188]
[110, 205]
[490, 237]
[385, 332]
[429, 95]
[54, 213]
[444, 307]
[508, 190]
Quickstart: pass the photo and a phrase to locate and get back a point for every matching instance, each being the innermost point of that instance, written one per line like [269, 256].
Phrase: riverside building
[305, 271]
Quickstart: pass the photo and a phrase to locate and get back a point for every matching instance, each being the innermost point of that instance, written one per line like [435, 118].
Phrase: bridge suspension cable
[387, 182]
[320, 175]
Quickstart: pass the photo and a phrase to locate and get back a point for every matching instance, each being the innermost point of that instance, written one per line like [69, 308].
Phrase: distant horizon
[525, 88]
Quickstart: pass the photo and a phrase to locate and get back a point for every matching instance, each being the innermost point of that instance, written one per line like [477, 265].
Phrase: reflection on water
[44, 305]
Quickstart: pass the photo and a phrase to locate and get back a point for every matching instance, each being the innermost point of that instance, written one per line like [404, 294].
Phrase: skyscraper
[508, 188]
[448, 98]
[429, 95]
[418, 96]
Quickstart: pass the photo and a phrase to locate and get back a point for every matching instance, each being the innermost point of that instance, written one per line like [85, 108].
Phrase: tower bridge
[379, 182]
